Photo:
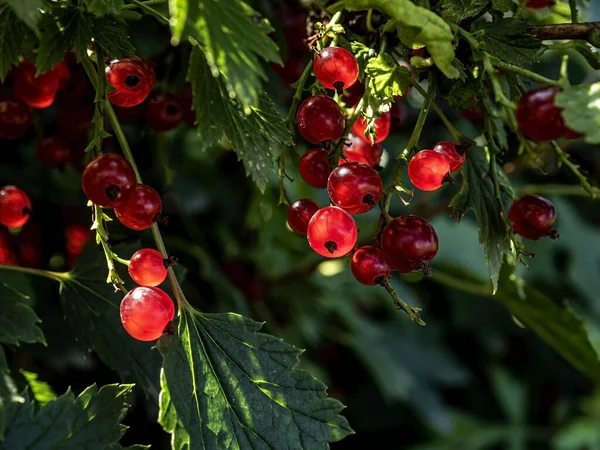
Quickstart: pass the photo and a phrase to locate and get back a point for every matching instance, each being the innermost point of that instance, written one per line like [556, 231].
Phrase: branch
[589, 31]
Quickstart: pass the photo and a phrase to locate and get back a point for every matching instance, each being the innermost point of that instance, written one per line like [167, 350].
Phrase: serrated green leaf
[459, 10]
[363, 55]
[29, 11]
[12, 33]
[234, 387]
[386, 78]
[178, 10]
[582, 109]
[504, 5]
[112, 38]
[103, 7]
[41, 391]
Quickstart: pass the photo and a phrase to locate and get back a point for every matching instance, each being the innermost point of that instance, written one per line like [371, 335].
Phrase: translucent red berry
[15, 117]
[369, 265]
[332, 232]
[140, 210]
[314, 167]
[63, 73]
[15, 207]
[300, 213]
[320, 119]
[108, 180]
[357, 150]
[146, 312]
[381, 128]
[336, 68]
[147, 267]
[428, 170]
[77, 237]
[408, 242]
[533, 217]
[537, 115]
[163, 111]
[448, 149]
[37, 92]
[133, 79]
[354, 187]
[53, 151]
[538, 4]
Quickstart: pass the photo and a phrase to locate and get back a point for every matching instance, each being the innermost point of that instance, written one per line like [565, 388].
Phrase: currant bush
[146, 312]
[354, 187]
[108, 180]
[320, 119]
[369, 265]
[314, 167]
[533, 217]
[15, 207]
[332, 232]
[147, 267]
[381, 128]
[140, 209]
[336, 68]
[428, 170]
[300, 213]
[133, 79]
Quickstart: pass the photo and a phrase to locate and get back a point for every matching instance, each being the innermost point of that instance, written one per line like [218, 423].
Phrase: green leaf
[234, 387]
[363, 55]
[387, 79]
[112, 38]
[29, 11]
[582, 109]
[91, 421]
[504, 5]
[415, 26]
[42, 392]
[103, 7]
[178, 10]
[459, 10]
[13, 35]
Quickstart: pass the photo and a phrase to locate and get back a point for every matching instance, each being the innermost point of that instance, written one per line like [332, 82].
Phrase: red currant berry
[354, 187]
[53, 151]
[37, 92]
[77, 237]
[108, 180]
[382, 128]
[472, 113]
[31, 245]
[300, 214]
[133, 79]
[571, 134]
[141, 208]
[448, 150]
[147, 267]
[538, 4]
[146, 312]
[408, 242]
[369, 265]
[15, 207]
[332, 232]
[314, 167]
[361, 151]
[537, 115]
[163, 112]
[15, 117]
[63, 74]
[533, 217]
[320, 119]
[419, 52]
[428, 170]
[336, 68]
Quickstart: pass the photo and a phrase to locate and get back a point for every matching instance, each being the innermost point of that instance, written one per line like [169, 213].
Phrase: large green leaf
[29, 11]
[458, 10]
[14, 35]
[386, 79]
[582, 109]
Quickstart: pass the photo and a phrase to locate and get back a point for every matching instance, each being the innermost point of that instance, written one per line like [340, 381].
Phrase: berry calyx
[15, 117]
[53, 151]
[537, 115]
[428, 170]
[449, 151]
[369, 265]
[409, 242]
[133, 79]
[533, 217]
[381, 128]
[300, 213]
[332, 232]
[141, 209]
[163, 111]
[357, 150]
[147, 267]
[37, 92]
[336, 68]
[108, 180]
[15, 207]
[146, 312]
[314, 167]
[354, 187]
[320, 119]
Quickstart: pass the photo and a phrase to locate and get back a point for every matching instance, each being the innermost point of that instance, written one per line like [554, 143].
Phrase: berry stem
[507, 67]
[574, 168]
[412, 311]
[56, 276]
[150, 11]
[557, 189]
[102, 238]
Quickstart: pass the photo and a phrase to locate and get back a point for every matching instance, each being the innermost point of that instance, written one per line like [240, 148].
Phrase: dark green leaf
[582, 109]
[29, 11]
[459, 10]
[178, 10]
[12, 35]
[41, 391]
[103, 7]
[112, 38]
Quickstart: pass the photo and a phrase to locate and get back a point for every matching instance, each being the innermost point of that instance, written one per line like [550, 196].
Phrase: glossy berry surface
[538, 4]
[381, 129]
[300, 213]
[533, 217]
[37, 92]
[369, 265]
[53, 151]
[537, 115]
[146, 312]
[108, 180]
[354, 187]
[147, 267]
[163, 112]
[336, 68]
[15, 117]
[141, 208]
[407, 242]
[428, 170]
[448, 150]
[15, 207]
[320, 119]
[363, 152]
[133, 79]
[332, 232]
[314, 167]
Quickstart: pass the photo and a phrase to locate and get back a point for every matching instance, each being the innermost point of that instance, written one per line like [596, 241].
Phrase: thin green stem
[370, 28]
[507, 67]
[337, 152]
[298, 94]
[574, 168]
[56, 276]
[412, 311]
[465, 34]
[461, 284]
[428, 100]
[574, 11]
[569, 190]
[150, 11]
[146, 3]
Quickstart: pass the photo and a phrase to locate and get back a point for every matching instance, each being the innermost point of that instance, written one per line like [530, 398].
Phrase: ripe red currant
[532, 217]
[361, 151]
[408, 242]
[428, 170]
[332, 232]
[15, 207]
[37, 92]
[369, 265]
[108, 180]
[77, 237]
[472, 113]
[140, 210]
[15, 117]
[147, 267]
[146, 312]
[53, 151]
[300, 214]
[336, 68]
[133, 79]
[382, 127]
[163, 112]
[537, 115]
[354, 187]
[63, 74]
[448, 149]
[320, 119]
[538, 4]
[314, 167]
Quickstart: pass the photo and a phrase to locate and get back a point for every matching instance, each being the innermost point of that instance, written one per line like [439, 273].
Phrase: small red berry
[140, 210]
[533, 217]
[448, 149]
[37, 92]
[300, 213]
[362, 152]
[15, 117]
[472, 113]
[354, 187]
[332, 232]
[163, 111]
[133, 79]
[320, 119]
[63, 74]
[382, 127]
[77, 237]
[53, 151]
[537, 115]
[538, 4]
[146, 312]
[369, 265]
[108, 180]
[336, 68]
[428, 170]
[15, 207]
[314, 167]
[147, 267]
